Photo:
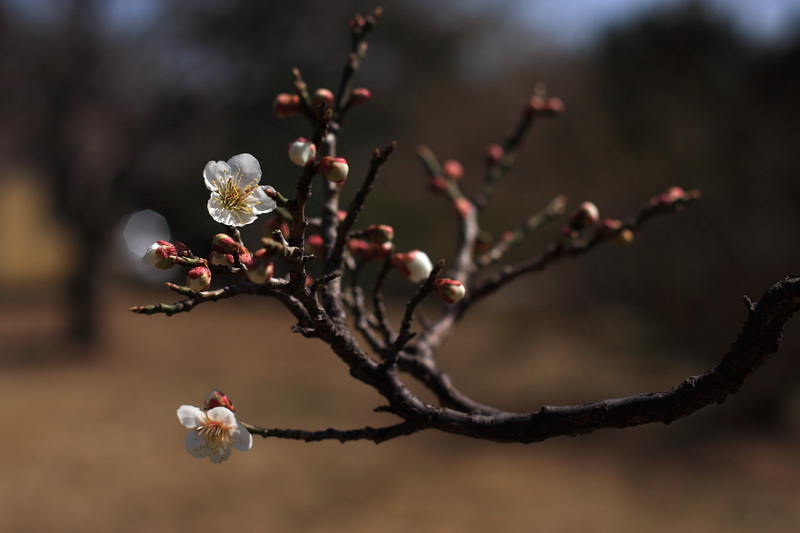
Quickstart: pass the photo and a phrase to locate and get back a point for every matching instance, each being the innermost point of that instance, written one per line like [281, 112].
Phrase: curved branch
[376, 435]
[760, 336]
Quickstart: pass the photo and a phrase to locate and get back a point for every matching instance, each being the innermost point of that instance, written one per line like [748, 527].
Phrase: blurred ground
[95, 446]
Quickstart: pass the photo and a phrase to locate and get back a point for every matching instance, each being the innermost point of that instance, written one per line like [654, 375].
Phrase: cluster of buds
[415, 265]
[334, 169]
[542, 106]
[225, 250]
[376, 244]
[158, 255]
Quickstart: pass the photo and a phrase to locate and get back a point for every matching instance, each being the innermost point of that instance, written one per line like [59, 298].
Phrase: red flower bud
[217, 398]
[359, 96]
[449, 290]
[323, 97]
[158, 255]
[286, 105]
[224, 244]
[199, 278]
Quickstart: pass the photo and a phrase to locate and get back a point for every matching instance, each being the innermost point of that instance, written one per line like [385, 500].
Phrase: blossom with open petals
[213, 432]
[236, 197]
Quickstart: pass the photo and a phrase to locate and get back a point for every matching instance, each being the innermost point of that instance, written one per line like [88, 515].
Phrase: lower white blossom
[213, 432]
[236, 197]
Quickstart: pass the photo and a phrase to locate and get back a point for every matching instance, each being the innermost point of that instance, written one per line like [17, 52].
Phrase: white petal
[260, 202]
[241, 439]
[190, 416]
[222, 414]
[220, 454]
[214, 172]
[248, 168]
[225, 216]
[196, 445]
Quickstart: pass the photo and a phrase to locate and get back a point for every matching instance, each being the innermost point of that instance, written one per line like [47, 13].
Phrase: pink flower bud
[415, 265]
[453, 170]
[449, 290]
[323, 97]
[494, 155]
[379, 233]
[334, 169]
[361, 249]
[286, 105]
[302, 151]
[224, 244]
[199, 278]
[463, 207]
[158, 255]
[260, 267]
[217, 398]
[359, 96]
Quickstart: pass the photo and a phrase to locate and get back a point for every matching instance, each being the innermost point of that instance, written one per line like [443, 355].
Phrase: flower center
[233, 195]
[216, 433]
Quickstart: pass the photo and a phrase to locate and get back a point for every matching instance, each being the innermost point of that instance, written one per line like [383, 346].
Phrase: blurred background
[110, 109]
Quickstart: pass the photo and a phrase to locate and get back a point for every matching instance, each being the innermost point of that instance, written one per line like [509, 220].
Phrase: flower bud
[359, 96]
[449, 290]
[463, 207]
[217, 258]
[453, 170]
[415, 265]
[379, 233]
[158, 255]
[260, 267]
[361, 249]
[224, 244]
[286, 105]
[323, 97]
[334, 169]
[217, 398]
[586, 215]
[301, 151]
[494, 155]
[624, 238]
[199, 278]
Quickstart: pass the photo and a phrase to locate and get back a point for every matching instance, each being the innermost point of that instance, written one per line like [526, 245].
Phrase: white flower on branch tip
[213, 432]
[236, 197]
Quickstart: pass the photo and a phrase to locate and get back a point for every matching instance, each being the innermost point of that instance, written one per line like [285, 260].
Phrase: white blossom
[213, 432]
[236, 197]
